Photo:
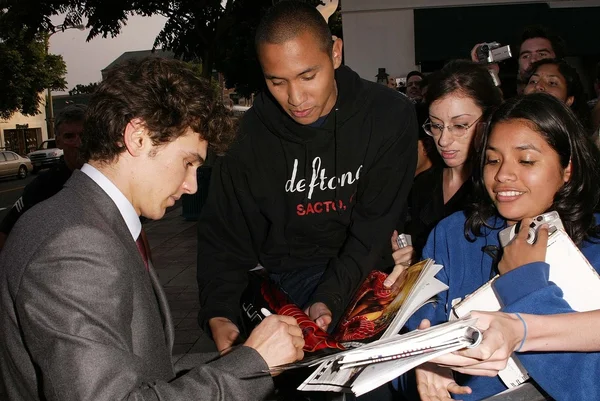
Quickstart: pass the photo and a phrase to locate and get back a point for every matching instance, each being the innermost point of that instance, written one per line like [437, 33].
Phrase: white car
[46, 155]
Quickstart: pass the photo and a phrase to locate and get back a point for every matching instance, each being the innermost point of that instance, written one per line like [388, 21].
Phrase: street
[10, 191]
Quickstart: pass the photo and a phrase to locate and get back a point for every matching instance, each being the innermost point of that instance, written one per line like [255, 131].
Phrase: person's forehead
[414, 78]
[535, 44]
[549, 70]
[305, 44]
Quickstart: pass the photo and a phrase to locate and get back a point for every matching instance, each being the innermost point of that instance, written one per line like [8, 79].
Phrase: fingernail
[387, 283]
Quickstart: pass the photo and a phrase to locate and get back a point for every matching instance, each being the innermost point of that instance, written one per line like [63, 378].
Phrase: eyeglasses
[457, 130]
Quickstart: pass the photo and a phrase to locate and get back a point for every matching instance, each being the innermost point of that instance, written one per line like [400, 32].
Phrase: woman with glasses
[458, 97]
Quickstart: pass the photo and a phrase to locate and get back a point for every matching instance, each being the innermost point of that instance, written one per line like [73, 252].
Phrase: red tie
[142, 249]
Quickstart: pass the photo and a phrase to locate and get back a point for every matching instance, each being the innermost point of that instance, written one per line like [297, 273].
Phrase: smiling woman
[537, 158]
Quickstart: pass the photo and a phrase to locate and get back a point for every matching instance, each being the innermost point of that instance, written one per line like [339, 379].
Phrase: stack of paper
[362, 369]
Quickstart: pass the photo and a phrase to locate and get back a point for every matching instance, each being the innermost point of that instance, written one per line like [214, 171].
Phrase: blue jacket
[564, 375]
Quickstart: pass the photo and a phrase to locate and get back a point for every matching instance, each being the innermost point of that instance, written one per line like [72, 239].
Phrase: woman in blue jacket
[534, 157]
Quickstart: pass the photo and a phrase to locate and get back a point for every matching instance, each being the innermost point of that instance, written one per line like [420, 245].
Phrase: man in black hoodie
[315, 183]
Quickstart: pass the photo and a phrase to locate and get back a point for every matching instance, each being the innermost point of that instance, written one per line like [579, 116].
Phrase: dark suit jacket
[82, 319]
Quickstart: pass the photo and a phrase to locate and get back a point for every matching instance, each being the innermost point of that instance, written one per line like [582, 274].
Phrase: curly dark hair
[578, 199]
[574, 88]
[169, 98]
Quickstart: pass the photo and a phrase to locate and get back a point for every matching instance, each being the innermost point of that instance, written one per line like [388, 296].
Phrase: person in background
[559, 79]
[594, 101]
[68, 128]
[536, 43]
[413, 86]
[392, 83]
[458, 97]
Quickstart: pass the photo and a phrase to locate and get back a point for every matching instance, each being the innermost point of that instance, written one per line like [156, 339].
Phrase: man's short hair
[538, 31]
[74, 113]
[166, 95]
[414, 73]
[288, 19]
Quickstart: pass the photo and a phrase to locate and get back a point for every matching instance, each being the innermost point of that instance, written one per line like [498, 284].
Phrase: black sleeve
[225, 250]
[381, 197]
[32, 194]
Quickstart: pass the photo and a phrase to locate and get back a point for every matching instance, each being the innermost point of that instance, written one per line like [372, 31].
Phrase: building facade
[23, 134]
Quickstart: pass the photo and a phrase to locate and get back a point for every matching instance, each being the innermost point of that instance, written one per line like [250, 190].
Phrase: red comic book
[371, 312]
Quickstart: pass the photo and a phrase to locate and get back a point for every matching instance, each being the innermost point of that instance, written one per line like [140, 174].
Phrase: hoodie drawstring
[338, 206]
[306, 176]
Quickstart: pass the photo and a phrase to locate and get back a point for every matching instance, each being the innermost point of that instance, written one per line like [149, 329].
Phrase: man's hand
[403, 258]
[278, 339]
[320, 314]
[519, 252]
[224, 332]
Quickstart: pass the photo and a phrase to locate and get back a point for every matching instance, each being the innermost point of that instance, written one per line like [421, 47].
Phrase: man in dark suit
[82, 313]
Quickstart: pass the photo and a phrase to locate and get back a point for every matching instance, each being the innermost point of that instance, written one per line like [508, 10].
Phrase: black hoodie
[288, 196]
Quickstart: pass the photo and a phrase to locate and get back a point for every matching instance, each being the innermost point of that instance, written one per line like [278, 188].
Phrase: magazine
[362, 369]
[374, 311]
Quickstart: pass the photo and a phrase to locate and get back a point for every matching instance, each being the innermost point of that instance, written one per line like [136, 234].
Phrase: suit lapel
[164, 307]
[95, 195]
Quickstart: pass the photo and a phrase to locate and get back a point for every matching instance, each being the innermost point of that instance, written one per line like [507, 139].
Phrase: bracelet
[524, 332]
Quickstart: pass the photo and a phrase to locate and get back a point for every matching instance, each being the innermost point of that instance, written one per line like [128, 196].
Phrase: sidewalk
[173, 246]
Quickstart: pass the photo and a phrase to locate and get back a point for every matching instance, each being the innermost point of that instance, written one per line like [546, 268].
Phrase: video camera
[493, 52]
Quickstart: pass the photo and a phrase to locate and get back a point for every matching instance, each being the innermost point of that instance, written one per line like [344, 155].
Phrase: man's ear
[135, 138]
[336, 53]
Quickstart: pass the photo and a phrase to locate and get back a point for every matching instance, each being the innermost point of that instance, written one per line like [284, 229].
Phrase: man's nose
[295, 95]
[190, 184]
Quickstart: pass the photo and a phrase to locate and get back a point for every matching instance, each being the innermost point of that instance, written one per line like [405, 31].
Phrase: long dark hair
[578, 199]
[574, 88]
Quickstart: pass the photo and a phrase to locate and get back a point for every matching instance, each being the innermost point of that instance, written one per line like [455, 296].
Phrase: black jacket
[44, 186]
[426, 205]
[289, 196]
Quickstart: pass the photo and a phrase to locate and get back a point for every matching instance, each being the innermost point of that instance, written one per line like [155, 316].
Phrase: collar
[125, 207]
